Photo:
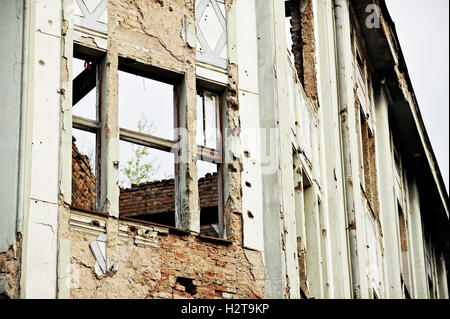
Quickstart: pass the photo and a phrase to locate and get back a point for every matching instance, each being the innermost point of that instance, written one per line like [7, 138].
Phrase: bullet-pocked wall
[144, 260]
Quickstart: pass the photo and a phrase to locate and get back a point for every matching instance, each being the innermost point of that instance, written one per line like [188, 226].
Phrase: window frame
[215, 156]
[90, 125]
[148, 140]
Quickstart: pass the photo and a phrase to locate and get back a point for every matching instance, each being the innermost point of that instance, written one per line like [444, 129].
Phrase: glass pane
[87, 106]
[147, 186]
[84, 170]
[209, 198]
[146, 106]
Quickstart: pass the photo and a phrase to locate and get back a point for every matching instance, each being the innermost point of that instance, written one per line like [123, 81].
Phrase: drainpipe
[341, 17]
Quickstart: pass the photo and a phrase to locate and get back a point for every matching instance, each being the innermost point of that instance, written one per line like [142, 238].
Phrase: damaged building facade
[214, 149]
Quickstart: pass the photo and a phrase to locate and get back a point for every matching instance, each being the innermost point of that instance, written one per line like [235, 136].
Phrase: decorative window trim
[211, 55]
[91, 20]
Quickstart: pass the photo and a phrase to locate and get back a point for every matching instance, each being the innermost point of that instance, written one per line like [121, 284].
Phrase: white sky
[423, 31]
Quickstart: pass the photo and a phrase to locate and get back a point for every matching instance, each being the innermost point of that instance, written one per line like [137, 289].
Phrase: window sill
[170, 229]
[215, 240]
[92, 212]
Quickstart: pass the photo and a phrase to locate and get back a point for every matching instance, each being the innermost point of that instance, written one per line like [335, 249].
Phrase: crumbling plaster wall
[216, 270]
[151, 33]
[10, 263]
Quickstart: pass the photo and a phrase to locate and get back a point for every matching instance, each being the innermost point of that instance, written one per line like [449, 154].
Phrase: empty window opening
[84, 170]
[208, 189]
[146, 106]
[147, 169]
[86, 142]
[209, 164]
[84, 94]
[147, 185]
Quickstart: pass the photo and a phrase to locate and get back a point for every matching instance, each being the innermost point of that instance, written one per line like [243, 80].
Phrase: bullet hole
[50, 22]
[133, 230]
[95, 223]
[250, 215]
[247, 154]
[41, 62]
[248, 184]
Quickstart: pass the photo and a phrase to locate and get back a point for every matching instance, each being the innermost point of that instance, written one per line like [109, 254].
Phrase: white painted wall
[247, 50]
[40, 240]
[11, 29]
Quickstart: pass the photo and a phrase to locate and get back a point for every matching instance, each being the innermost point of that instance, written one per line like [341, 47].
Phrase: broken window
[147, 167]
[209, 165]
[86, 134]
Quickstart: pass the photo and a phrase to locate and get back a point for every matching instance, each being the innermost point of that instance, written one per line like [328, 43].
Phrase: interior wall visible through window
[147, 166]
[86, 134]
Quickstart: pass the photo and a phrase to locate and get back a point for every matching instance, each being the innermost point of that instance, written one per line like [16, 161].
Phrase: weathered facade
[321, 180]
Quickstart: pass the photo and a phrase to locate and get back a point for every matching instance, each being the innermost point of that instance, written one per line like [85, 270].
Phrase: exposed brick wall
[83, 181]
[159, 197]
[148, 198]
[10, 268]
[215, 270]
